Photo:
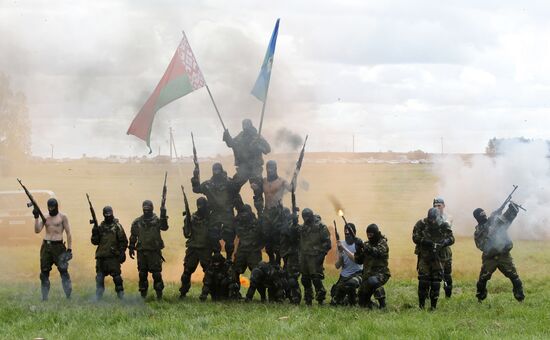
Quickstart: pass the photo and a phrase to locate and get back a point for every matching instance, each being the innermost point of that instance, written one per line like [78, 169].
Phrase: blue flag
[262, 83]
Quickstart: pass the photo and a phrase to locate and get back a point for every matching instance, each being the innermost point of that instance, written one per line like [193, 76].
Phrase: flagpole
[263, 110]
[216, 107]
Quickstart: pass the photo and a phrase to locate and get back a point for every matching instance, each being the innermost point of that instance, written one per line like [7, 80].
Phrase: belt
[53, 242]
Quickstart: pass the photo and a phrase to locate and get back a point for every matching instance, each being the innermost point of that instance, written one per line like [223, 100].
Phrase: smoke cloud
[285, 137]
[485, 182]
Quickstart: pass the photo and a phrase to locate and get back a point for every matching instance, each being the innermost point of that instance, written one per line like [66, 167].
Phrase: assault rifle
[92, 211]
[163, 200]
[33, 203]
[509, 200]
[187, 214]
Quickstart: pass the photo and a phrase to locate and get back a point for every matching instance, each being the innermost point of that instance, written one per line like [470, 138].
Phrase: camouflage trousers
[311, 267]
[193, 256]
[108, 266]
[373, 284]
[292, 269]
[246, 259]
[150, 261]
[272, 220]
[253, 174]
[503, 262]
[344, 291]
[51, 253]
[223, 223]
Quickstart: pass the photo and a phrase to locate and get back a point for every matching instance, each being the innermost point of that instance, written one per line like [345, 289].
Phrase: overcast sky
[398, 74]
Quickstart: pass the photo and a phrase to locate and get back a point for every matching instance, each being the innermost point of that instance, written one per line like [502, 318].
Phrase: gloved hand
[226, 135]
[122, 257]
[427, 243]
[294, 219]
[196, 172]
[358, 244]
[69, 254]
[35, 213]
[132, 253]
[163, 213]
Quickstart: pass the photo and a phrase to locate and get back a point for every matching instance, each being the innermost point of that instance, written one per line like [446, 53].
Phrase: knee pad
[373, 282]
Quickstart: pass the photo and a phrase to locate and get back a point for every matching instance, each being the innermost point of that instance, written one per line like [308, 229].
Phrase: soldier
[344, 291]
[248, 147]
[266, 276]
[373, 254]
[439, 203]
[218, 280]
[314, 246]
[222, 194]
[111, 242]
[146, 239]
[249, 251]
[273, 187]
[290, 247]
[53, 249]
[202, 241]
[492, 239]
[431, 235]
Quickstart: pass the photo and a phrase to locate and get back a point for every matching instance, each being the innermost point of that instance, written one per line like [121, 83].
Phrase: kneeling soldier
[344, 291]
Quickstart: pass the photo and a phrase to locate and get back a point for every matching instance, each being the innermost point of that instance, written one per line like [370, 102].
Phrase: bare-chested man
[274, 188]
[53, 249]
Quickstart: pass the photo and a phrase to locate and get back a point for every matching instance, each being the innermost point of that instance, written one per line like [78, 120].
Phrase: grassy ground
[394, 196]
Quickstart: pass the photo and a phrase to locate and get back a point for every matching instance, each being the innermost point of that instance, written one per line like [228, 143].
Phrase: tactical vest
[200, 237]
[248, 232]
[436, 235]
[312, 238]
[376, 265]
[148, 236]
[109, 242]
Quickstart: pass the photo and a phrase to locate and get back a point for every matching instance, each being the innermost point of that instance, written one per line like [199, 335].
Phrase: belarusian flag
[182, 76]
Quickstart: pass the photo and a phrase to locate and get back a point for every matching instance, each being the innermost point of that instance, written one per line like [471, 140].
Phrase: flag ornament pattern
[262, 83]
[182, 77]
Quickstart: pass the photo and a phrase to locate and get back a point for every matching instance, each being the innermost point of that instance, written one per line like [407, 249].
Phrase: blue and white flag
[262, 83]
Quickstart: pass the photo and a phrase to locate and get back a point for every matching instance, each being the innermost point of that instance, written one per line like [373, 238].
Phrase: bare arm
[38, 225]
[67, 229]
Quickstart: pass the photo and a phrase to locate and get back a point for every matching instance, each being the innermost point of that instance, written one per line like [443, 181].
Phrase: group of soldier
[296, 251]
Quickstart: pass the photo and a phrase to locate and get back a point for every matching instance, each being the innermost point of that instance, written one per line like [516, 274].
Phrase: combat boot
[421, 302]
[481, 290]
[448, 290]
[518, 289]
[382, 303]
[433, 303]
[159, 294]
[120, 294]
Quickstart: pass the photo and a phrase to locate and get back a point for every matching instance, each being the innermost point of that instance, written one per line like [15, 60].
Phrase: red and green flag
[182, 76]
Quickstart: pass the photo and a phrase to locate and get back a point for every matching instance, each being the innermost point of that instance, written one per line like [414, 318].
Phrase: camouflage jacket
[249, 232]
[492, 236]
[374, 257]
[219, 281]
[248, 149]
[110, 239]
[314, 237]
[201, 232]
[426, 236]
[145, 233]
[290, 238]
[222, 194]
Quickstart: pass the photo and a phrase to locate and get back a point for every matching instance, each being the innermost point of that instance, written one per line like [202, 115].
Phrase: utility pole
[51, 145]
[441, 145]
[353, 143]
[170, 128]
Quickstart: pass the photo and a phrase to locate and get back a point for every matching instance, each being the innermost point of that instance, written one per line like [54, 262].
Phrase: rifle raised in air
[92, 211]
[163, 200]
[33, 203]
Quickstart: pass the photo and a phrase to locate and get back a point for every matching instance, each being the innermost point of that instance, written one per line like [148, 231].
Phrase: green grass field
[393, 195]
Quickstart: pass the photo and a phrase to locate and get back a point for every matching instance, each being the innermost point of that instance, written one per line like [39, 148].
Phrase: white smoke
[483, 181]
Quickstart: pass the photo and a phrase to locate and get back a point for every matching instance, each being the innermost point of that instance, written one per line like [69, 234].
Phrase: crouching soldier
[314, 246]
[431, 236]
[111, 242]
[491, 237]
[146, 239]
[373, 254]
[344, 291]
[266, 277]
[218, 280]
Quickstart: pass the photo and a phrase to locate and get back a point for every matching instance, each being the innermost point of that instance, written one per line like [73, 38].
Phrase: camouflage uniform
[447, 262]
[54, 252]
[111, 242]
[344, 291]
[268, 277]
[374, 257]
[249, 250]
[146, 239]
[202, 241]
[222, 194]
[314, 246]
[492, 239]
[272, 220]
[219, 280]
[290, 247]
[431, 240]
[248, 147]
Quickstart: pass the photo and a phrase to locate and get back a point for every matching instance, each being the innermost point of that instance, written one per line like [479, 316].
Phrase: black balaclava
[434, 217]
[202, 206]
[349, 232]
[248, 128]
[108, 214]
[147, 207]
[217, 171]
[307, 215]
[53, 207]
[271, 169]
[374, 231]
[480, 216]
